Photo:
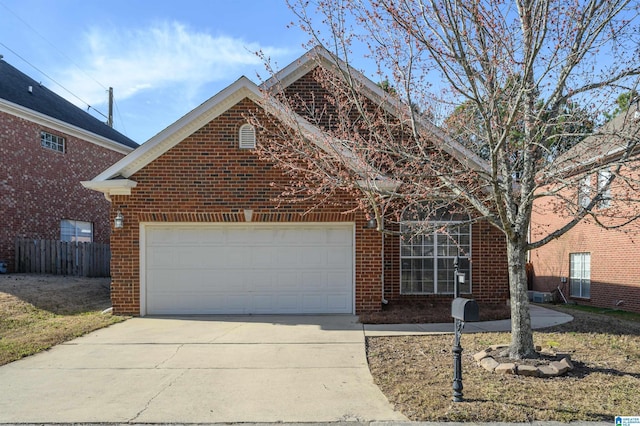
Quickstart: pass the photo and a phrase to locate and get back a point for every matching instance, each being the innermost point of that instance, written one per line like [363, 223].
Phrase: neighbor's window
[427, 257]
[76, 230]
[247, 136]
[584, 191]
[603, 179]
[53, 142]
[580, 275]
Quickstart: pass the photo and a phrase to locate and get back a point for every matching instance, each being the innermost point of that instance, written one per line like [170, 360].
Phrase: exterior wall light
[372, 223]
[118, 222]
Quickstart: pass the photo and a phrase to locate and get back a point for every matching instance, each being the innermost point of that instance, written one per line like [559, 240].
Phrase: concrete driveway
[200, 370]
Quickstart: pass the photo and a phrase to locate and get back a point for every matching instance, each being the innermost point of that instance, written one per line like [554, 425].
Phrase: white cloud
[157, 58]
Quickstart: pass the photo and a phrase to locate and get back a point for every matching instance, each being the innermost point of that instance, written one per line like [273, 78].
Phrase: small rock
[563, 355]
[497, 347]
[567, 363]
[538, 348]
[548, 371]
[489, 363]
[506, 368]
[558, 365]
[527, 370]
[480, 355]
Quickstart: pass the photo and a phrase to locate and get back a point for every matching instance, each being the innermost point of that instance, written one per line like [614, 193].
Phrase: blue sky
[163, 58]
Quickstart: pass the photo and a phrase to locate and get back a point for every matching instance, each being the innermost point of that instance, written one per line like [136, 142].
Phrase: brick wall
[207, 178]
[39, 187]
[615, 275]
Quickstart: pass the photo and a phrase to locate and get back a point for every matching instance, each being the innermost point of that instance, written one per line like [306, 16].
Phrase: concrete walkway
[200, 370]
[540, 318]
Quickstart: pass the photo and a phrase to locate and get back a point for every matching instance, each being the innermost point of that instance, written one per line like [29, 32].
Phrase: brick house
[589, 264]
[202, 233]
[47, 146]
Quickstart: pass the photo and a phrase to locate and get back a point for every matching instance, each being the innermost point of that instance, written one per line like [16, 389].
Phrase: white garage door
[247, 269]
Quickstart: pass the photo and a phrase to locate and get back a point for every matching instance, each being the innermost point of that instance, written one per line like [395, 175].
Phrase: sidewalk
[540, 318]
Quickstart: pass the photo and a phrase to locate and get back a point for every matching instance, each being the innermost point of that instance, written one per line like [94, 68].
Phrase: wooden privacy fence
[63, 258]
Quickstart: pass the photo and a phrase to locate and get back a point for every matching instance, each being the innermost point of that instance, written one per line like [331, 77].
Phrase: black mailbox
[465, 309]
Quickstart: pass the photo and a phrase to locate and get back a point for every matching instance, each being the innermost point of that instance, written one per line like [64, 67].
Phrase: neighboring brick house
[589, 264]
[202, 233]
[47, 146]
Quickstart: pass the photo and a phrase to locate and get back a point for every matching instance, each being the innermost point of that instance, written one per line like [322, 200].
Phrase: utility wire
[53, 45]
[124, 129]
[68, 59]
[52, 79]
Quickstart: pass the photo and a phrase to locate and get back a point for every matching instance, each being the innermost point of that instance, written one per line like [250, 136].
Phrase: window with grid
[53, 142]
[427, 259]
[76, 230]
[580, 275]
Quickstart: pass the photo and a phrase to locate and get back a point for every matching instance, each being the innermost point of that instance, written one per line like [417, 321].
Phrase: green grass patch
[631, 316]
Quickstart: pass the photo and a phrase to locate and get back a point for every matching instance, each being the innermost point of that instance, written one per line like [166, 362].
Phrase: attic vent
[247, 137]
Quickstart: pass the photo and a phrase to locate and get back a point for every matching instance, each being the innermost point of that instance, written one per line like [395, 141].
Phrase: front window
[580, 275]
[427, 257]
[76, 230]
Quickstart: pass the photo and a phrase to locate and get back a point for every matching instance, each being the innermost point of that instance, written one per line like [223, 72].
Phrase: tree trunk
[521, 332]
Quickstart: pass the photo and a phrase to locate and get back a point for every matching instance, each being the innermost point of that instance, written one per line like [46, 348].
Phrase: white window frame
[76, 231]
[603, 178]
[580, 275]
[584, 191]
[52, 142]
[434, 237]
[247, 136]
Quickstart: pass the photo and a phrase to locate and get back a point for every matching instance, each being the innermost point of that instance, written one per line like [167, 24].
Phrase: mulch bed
[424, 312]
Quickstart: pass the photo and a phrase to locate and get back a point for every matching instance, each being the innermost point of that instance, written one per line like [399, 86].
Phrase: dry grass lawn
[415, 373]
[40, 311]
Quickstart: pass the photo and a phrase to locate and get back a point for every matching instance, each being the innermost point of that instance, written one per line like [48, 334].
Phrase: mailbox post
[461, 310]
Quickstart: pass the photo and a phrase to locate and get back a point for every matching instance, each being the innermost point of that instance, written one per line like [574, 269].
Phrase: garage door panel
[340, 257]
[335, 236]
[288, 281]
[249, 268]
[313, 256]
[335, 280]
[336, 302]
[312, 281]
[261, 257]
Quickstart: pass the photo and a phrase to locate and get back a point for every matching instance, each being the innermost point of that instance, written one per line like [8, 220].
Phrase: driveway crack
[164, 388]
[171, 356]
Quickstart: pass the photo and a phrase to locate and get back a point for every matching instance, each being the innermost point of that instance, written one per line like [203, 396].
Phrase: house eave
[111, 187]
[55, 124]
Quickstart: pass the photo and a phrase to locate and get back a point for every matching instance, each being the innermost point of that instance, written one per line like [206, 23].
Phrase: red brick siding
[207, 178]
[490, 275]
[615, 275]
[40, 187]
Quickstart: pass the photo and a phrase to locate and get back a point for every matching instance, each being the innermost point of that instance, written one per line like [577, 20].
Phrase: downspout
[384, 301]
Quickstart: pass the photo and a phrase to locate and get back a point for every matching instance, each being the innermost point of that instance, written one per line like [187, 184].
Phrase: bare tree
[518, 66]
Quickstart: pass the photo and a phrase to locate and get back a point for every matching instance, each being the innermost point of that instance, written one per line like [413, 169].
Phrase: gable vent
[247, 137]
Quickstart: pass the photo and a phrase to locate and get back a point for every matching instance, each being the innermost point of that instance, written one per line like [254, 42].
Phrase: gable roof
[115, 180]
[22, 96]
[611, 141]
[321, 56]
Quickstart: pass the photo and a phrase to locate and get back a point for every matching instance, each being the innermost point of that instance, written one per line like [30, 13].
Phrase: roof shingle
[14, 87]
